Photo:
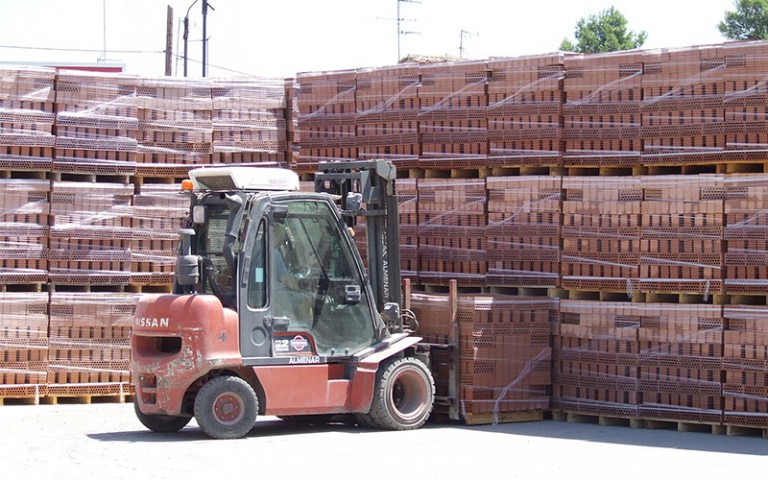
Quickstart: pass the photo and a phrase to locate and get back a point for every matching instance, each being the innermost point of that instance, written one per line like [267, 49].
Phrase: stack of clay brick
[523, 231]
[249, 121]
[26, 118]
[525, 106]
[96, 124]
[386, 114]
[502, 366]
[634, 360]
[326, 122]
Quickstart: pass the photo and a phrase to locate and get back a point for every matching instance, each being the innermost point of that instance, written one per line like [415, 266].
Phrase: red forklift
[274, 312]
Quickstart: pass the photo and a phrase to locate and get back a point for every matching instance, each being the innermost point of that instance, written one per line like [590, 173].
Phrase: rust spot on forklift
[186, 361]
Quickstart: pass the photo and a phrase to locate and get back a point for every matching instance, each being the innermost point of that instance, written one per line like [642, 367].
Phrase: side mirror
[352, 294]
[187, 265]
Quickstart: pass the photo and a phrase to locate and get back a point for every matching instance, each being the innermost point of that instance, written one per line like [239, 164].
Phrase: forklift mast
[366, 189]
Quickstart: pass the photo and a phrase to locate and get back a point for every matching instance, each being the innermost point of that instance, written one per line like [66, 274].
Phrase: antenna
[465, 33]
[400, 20]
[104, 35]
[400, 32]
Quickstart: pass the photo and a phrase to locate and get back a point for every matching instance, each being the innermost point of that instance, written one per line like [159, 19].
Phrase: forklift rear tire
[226, 407]
[403, 396]
[161, 423]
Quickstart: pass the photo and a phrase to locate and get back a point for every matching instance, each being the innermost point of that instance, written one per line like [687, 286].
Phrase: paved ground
[107, 441]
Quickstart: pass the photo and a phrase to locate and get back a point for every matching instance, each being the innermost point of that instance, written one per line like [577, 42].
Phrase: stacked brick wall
[524, 112]
[593, 178]
[90, 208]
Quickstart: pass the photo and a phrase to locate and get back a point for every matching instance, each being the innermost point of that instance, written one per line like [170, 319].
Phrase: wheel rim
[228, 408]
[408, 396]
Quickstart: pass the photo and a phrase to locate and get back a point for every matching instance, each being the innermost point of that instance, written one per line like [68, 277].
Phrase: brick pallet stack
[24, 208]
[523, 232]
[682, 109]
[524, 110]
[453, 125]
[326, 122]
[175, 125]
[505, 354]
[746, 234]
[90, 233]
[745, 102]
[601, 233]
[596, 358]
[681, 359]
[26, 118]
[451, 231]
[682, 234]
[745, 364]
[157, 213]
[89, 349]
[23, 344]
[96, 124]
[386, 115]
[603, 95]
[249, 123]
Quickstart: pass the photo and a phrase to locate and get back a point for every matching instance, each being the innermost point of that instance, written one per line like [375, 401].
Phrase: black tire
[403, 395]
[365, 420]
[226, 407]
[161, 423]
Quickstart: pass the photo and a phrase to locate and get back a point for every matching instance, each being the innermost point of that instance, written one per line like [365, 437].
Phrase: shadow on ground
[552, 429]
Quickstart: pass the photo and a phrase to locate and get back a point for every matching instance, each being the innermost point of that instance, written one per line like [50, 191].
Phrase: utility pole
[206, 5]
[169, 42]
[186, 36]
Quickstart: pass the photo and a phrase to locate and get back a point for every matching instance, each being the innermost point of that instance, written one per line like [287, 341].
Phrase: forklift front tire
[161, 423]
[404, 395]
[226, 407]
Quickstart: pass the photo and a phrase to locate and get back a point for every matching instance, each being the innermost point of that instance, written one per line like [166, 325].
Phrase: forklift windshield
[316, 283]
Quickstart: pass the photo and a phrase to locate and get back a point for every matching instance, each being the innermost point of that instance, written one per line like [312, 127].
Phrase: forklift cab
[287, 264]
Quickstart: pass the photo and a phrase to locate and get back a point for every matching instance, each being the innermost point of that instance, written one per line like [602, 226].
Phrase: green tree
[748, 22]
[604, 32]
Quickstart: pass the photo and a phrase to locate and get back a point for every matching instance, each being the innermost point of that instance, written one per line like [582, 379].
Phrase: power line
[82, 50]
[220, 68]
[85, 50]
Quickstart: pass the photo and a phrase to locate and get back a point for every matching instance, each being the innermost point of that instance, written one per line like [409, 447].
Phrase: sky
[282, 38]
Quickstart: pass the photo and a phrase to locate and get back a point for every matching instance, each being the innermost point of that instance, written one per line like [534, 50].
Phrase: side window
[257, 284]
[212, 242]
